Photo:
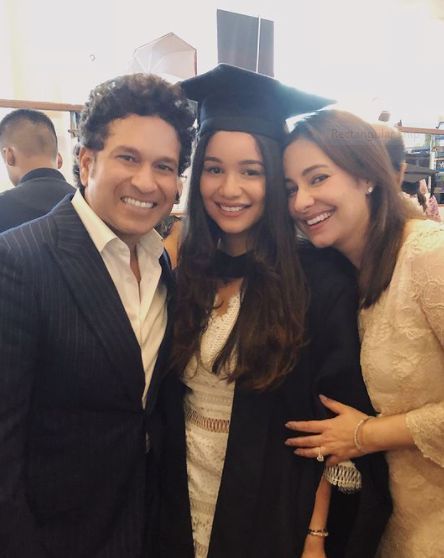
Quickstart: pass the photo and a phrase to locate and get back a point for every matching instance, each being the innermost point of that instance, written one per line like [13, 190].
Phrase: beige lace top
[402, 359]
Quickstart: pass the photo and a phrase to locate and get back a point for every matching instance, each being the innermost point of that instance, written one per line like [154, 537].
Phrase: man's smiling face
[131, 183]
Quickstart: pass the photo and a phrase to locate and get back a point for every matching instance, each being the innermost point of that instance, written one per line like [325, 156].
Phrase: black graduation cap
[238, 100]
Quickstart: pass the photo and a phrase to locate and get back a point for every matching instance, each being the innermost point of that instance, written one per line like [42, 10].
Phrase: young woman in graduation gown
[262, 328]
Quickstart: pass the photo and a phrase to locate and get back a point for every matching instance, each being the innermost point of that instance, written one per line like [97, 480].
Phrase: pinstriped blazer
[73, 469]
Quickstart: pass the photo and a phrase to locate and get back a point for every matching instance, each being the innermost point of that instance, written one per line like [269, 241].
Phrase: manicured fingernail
[323, 397]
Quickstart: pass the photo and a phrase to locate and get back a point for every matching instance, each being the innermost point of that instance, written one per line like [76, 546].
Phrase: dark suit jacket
[36, 194]
[72, 427]
[267, 493]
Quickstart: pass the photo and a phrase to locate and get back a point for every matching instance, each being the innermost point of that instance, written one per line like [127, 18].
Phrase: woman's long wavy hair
[269, 331]
[353, 145]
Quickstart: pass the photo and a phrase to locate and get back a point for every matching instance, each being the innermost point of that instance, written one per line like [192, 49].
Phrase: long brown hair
[353, 145]
[269, 330]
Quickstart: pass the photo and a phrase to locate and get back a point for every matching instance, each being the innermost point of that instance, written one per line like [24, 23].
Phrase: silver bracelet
[318, 532]
[356, 438]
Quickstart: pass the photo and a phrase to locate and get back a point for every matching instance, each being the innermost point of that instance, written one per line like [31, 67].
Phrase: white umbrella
[169, 57]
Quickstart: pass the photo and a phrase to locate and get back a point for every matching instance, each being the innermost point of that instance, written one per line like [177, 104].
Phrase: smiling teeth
[232, 209]
[137, 203]
[318, 218]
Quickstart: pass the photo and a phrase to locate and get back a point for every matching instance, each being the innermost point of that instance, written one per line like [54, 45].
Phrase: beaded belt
[206, 423]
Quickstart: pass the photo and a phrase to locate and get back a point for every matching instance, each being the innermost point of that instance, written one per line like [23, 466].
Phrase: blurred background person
[432, 207]
[172, 233]
[413, 194]
[28, 144]
[170, 229]
[416, 192]
[394, 144]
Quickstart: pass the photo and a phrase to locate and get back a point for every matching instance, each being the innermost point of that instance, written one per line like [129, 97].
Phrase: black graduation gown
[267, 493]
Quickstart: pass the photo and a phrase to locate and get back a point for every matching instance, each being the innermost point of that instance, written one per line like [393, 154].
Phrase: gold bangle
[318, 532]
[356, 439]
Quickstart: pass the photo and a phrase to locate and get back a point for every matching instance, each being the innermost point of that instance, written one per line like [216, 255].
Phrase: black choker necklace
[226, 267]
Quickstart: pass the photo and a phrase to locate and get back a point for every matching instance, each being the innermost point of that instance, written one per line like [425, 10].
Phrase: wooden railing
[428, 131]
[46, 105]
[39, 105]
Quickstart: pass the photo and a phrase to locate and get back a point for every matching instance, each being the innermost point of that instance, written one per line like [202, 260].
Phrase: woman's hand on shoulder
[333, 437]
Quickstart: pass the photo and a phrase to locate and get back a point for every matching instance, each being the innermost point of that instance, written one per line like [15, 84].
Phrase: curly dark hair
[141, 94]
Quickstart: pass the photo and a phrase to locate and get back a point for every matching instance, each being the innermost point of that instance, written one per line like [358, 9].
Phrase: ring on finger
[320, 457]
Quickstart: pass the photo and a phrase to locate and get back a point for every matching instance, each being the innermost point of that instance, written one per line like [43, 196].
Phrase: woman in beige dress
[342, 194]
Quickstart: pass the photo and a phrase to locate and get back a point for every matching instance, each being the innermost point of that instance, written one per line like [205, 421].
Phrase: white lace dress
[402, 359]
[208, 404]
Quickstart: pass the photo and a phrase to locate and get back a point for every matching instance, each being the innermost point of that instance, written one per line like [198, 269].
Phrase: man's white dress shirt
[144, 303]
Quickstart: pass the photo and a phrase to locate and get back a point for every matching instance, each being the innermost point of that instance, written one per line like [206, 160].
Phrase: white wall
[383, 54]
[383, 49]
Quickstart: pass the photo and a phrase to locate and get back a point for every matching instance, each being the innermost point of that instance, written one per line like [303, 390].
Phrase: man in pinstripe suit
[83, 311]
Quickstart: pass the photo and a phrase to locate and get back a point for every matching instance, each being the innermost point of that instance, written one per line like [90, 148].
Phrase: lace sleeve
[428, 279]
[426, 423]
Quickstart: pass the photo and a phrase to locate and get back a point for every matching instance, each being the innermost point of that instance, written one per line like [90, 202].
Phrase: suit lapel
[242, 473]
[97, 298]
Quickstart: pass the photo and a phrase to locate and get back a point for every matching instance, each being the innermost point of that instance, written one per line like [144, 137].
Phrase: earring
[369, 190]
